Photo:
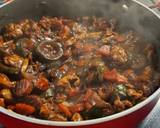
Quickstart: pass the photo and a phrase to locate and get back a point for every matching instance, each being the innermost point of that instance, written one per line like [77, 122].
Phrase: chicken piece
[67, 53]
[114, 76]
[69, 81]
[119, 105]
[45, 110]
[94, 35]
[54, 24]
[23, 87]
[137, 61]
[31, 28]
[13, 60]
[135, 94]
[65, 32]
[70, 42]
[146, 74]
[45, 23]
[93, 99]
[149, 52]
[108, 109]
[127, 103]
[7, 48]
[79, 29]
[13, 30]
[119, 55]
[130, 74]
[87, 48]
[147, 90]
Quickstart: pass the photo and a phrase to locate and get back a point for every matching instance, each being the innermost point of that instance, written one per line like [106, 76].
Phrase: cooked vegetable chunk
[63, 69]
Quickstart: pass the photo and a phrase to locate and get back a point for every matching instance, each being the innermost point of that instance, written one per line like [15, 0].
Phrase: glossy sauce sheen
[73, 69]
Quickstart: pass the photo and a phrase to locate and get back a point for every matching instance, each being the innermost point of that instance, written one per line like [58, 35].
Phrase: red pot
[30, 8]
[126, 119]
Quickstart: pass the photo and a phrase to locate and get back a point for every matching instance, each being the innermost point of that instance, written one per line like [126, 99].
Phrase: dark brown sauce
[74, 69]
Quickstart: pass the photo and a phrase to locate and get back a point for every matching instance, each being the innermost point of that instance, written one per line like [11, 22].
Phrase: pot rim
[81, 123]
[4, 4]
[86, 122]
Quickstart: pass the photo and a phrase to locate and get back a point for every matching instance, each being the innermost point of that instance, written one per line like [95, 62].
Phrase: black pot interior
[130, 15]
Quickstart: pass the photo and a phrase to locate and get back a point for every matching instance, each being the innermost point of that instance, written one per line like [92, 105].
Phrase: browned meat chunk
[119, 55]
[13, 60]
[77, 69]
[114, 76]
[23, 87]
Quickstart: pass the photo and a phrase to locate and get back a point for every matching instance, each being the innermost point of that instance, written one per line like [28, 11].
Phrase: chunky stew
[63, 69]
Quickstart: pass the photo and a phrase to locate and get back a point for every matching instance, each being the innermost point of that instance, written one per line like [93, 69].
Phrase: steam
[128, 14]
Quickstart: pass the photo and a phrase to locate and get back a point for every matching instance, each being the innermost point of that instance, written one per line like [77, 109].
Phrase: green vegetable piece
[121, 91]
[48, 93]
[93, 113]
[24, 46]
[8, 70]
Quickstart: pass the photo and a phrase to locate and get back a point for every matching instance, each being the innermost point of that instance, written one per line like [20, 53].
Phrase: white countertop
[153, 119]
